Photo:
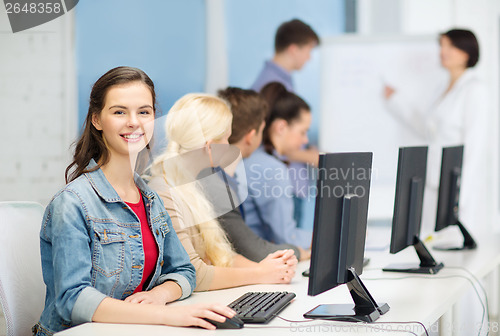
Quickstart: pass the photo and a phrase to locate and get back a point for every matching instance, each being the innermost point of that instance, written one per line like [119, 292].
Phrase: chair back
[22, 290]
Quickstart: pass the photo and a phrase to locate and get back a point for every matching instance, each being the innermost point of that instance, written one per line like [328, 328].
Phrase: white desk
[413, 299]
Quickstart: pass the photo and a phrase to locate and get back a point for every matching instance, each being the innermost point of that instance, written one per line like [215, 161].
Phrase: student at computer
[109, 252]
[269, 207]
[456, 115]
[249, 110]
[194, 124]
[293, 43]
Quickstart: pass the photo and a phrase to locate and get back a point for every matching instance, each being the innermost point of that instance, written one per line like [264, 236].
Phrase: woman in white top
[457, 115]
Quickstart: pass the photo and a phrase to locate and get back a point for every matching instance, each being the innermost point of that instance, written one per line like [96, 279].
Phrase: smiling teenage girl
[109, 253]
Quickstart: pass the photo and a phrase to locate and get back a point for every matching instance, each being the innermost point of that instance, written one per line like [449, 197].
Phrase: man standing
[293, 44]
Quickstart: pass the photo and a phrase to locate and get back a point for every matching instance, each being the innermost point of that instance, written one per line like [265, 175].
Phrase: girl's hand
[278, 267]
[160, 295]
[145, 298]
[193, 315]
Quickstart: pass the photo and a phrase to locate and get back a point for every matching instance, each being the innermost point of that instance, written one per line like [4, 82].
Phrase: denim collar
[106, 191]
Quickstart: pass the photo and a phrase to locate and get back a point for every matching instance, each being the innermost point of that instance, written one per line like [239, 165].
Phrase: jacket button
[161, 263]
[157, 232]
[137, 266]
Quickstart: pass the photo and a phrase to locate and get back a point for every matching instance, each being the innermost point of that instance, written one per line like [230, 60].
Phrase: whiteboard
[353, 114]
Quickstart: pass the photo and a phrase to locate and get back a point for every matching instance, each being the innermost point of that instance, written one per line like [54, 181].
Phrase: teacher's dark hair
[91, 143]
[465, 40]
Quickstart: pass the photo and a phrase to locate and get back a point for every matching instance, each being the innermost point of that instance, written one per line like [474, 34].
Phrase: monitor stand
[364, 308]
[428, 264]
[469, 242]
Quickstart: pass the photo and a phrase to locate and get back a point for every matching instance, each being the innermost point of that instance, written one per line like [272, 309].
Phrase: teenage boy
[249, 110]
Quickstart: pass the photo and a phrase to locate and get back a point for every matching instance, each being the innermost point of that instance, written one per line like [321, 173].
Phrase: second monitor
[406, 221]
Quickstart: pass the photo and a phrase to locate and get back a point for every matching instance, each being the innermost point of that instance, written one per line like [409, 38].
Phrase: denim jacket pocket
[109, 250]
[161, 221]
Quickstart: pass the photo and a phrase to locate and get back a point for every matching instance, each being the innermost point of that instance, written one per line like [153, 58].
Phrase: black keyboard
[260, 307]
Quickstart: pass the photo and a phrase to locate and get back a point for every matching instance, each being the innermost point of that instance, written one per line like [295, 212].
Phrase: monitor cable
[372, 325]
[485, 309]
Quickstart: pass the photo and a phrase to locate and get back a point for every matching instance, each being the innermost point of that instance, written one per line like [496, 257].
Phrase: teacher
[456, 115]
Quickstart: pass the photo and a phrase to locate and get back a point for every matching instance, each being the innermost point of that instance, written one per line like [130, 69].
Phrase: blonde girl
[195, 123]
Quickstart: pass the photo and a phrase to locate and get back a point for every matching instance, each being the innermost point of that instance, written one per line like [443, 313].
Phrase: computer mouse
[230, 323]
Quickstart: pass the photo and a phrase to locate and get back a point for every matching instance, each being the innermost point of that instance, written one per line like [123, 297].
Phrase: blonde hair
[193, 120]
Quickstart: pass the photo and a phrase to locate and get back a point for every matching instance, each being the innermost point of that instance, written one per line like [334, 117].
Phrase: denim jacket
[91, 248]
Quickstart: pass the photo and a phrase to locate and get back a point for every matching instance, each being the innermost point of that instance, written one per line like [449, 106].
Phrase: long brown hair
[91, 143]
[284, 105]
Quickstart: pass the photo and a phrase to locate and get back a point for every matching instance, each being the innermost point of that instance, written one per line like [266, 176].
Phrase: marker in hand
[388, 90]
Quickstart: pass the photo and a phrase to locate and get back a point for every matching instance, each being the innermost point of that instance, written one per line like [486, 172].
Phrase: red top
[148, 243]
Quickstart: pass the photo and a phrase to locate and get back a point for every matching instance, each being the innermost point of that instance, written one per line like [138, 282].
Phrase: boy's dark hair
[465, 40]
[249, 110]
[294, 32]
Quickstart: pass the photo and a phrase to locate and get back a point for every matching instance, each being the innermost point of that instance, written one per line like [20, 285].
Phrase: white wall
[378, 16]
[217, 66]
[38, 108]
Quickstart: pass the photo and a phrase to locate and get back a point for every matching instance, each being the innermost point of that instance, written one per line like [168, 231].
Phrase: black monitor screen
[339, 175]
[408, 203]
[410, 182]
[449, 187]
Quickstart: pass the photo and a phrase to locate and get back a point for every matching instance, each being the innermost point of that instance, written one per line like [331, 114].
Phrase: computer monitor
[449, 194]
[406, 221]
[339, 236]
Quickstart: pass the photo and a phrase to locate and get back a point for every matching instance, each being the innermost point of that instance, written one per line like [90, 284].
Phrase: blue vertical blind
[166, 39]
